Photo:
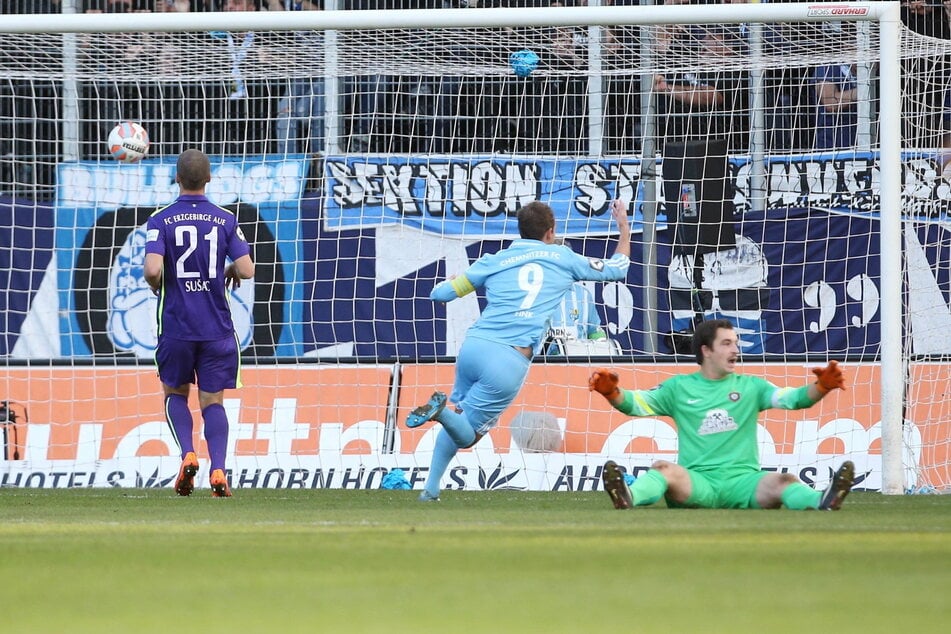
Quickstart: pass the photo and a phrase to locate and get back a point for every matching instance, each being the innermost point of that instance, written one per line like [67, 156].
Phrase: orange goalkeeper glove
[604, 382]
[829, 378]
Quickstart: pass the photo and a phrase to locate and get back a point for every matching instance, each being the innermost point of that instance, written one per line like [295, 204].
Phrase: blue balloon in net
[523, 62]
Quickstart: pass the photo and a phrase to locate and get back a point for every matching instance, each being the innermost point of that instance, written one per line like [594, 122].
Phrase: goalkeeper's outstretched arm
[604, 382]
[630, 402]
[827, 379]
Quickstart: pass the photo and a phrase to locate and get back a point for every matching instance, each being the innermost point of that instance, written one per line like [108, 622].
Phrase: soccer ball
[128, 142]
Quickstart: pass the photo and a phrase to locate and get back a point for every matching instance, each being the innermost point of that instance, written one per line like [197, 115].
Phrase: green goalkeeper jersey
[716, 419]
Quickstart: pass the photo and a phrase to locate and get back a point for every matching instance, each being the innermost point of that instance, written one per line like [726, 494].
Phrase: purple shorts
[215, 363]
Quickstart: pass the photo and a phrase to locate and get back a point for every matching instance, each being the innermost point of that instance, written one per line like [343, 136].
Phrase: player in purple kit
[185, 264]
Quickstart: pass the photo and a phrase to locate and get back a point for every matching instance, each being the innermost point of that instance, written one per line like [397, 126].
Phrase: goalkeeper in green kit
[715, 411]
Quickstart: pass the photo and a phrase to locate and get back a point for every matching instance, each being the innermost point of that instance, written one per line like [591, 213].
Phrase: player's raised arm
[827, 379]
[619, 213]
[605, 382]
[654, 402]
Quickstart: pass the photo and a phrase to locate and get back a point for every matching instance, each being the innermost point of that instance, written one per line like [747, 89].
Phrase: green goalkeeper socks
[649, 488]
[798, 497]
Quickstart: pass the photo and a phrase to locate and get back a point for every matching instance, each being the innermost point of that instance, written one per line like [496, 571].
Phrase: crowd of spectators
[807, 108]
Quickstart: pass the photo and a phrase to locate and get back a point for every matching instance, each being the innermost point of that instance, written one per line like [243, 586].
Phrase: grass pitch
[279, 561]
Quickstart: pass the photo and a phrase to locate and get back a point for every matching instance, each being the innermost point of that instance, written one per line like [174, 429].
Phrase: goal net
[370, 154]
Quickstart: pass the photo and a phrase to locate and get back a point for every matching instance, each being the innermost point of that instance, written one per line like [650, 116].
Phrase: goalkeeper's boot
[427, 412]
[219, 485]
[185, 482]
[426, 496]
[840, 486]
[613, 478]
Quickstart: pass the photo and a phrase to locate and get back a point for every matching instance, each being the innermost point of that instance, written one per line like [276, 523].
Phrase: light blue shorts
[488, 378]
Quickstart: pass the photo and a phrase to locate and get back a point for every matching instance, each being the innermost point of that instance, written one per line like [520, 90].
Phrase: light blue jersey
[577, 314]
[524, 284]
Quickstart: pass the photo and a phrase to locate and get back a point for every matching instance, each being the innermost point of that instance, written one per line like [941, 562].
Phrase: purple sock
[216, 434]
[179, 419]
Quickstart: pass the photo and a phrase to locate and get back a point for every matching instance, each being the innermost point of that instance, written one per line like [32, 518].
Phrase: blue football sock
[179, 419]
[457, 426]
[444, 451]
[216, 434]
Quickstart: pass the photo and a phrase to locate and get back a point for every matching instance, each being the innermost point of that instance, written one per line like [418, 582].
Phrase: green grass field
[144, 560]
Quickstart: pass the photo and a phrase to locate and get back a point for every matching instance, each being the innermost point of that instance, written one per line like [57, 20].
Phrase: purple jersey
[194, 236]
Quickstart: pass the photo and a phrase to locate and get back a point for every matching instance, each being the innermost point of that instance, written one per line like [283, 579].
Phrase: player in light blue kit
[524, 284]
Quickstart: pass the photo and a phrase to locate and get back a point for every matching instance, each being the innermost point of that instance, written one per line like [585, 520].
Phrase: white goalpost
[784, 164]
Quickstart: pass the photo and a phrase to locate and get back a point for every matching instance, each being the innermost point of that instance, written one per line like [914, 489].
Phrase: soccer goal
[784, 165]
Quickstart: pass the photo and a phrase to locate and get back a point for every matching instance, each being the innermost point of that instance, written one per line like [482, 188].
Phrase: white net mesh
[366, 165]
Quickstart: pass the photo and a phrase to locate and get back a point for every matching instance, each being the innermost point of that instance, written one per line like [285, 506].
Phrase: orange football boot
[219, 485]
[185, 482]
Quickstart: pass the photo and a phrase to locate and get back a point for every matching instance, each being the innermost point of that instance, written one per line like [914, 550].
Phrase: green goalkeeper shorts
[722, 490]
